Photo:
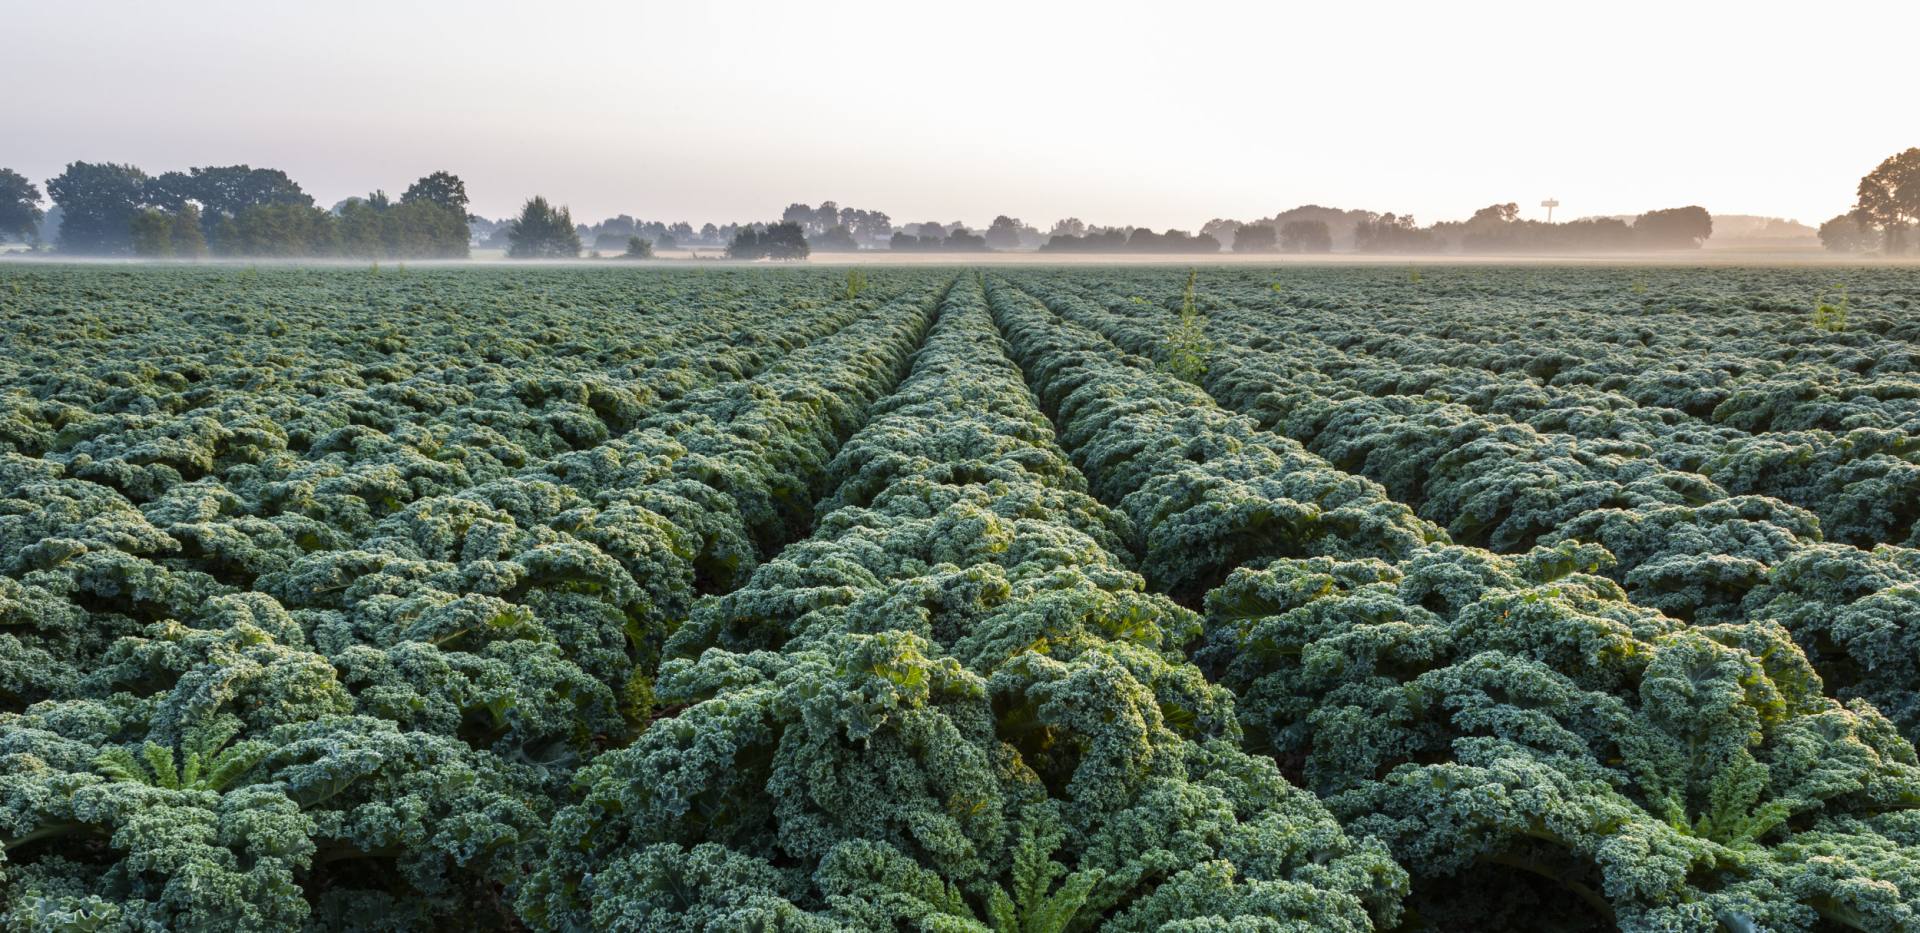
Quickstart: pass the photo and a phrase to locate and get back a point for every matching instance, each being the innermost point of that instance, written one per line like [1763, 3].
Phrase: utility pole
[1550, 204]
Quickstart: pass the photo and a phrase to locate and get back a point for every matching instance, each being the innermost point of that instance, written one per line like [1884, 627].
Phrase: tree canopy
[1890, 198]
[835, 239]
[1673, 228]
[784, 240]
[240, 210]
[284, 231]
[1004, 233]
[98, 200]
[1392, 233]
[543, 231]
[1849, 233]
[1137, 240]
[863, 226]
[224, 190]
[1255, 238]
[19, 206]
[422, 228]
[159, 234]
[442, 188]
[1306, 236]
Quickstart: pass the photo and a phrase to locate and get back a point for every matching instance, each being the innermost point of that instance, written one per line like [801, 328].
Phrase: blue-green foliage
[751, 600]
[1537, 749]
[952, 707]
[310, 619]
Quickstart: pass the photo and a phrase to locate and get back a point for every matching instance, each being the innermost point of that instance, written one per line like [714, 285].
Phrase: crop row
[141, 397]
[570, 601]
[1591, 326]
[379, 715]
[1679, 543]
[1848, 452]
[1528, 741]
[951, 708]
[1206, 490]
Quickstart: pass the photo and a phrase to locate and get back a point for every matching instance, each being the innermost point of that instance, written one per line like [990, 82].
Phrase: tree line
[110, 209]
[114, 209]
[803, 229]
[544, 231]
[1496, 228]
[1888, 209]
[1137, 240]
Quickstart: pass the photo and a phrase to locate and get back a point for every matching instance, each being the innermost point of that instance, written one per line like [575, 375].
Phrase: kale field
[1014, 599]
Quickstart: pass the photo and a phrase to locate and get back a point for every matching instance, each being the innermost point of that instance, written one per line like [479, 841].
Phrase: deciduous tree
[543, 231]
[161, 234]
[277, 230]
[442, 188]
[19, 206]
[1255, 238]
[1849, 233]
[1004, 233]
[222, 192]
[1306, 236]
[98, 201]
[1673, 228]
[1890, 197]
[835, 239]
[784, 240]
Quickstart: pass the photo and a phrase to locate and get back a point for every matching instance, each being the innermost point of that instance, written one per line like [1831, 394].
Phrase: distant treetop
[443, 188]
[543, 232]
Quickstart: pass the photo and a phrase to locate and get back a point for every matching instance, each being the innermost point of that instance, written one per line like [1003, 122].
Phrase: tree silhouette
[1255, 238]
[19, 205]
[1890, 198]
[1849, 233]
[1673, 228]
[543, 232]
[784, 240]
[835, 239]
[1004, 233]
[443, 188]
[98, 201]
[1306, 236]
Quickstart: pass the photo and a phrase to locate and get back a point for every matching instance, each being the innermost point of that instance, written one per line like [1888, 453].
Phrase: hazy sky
[1161, 114]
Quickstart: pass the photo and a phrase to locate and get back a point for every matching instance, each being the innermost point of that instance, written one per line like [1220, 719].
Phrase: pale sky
[1155, 114]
